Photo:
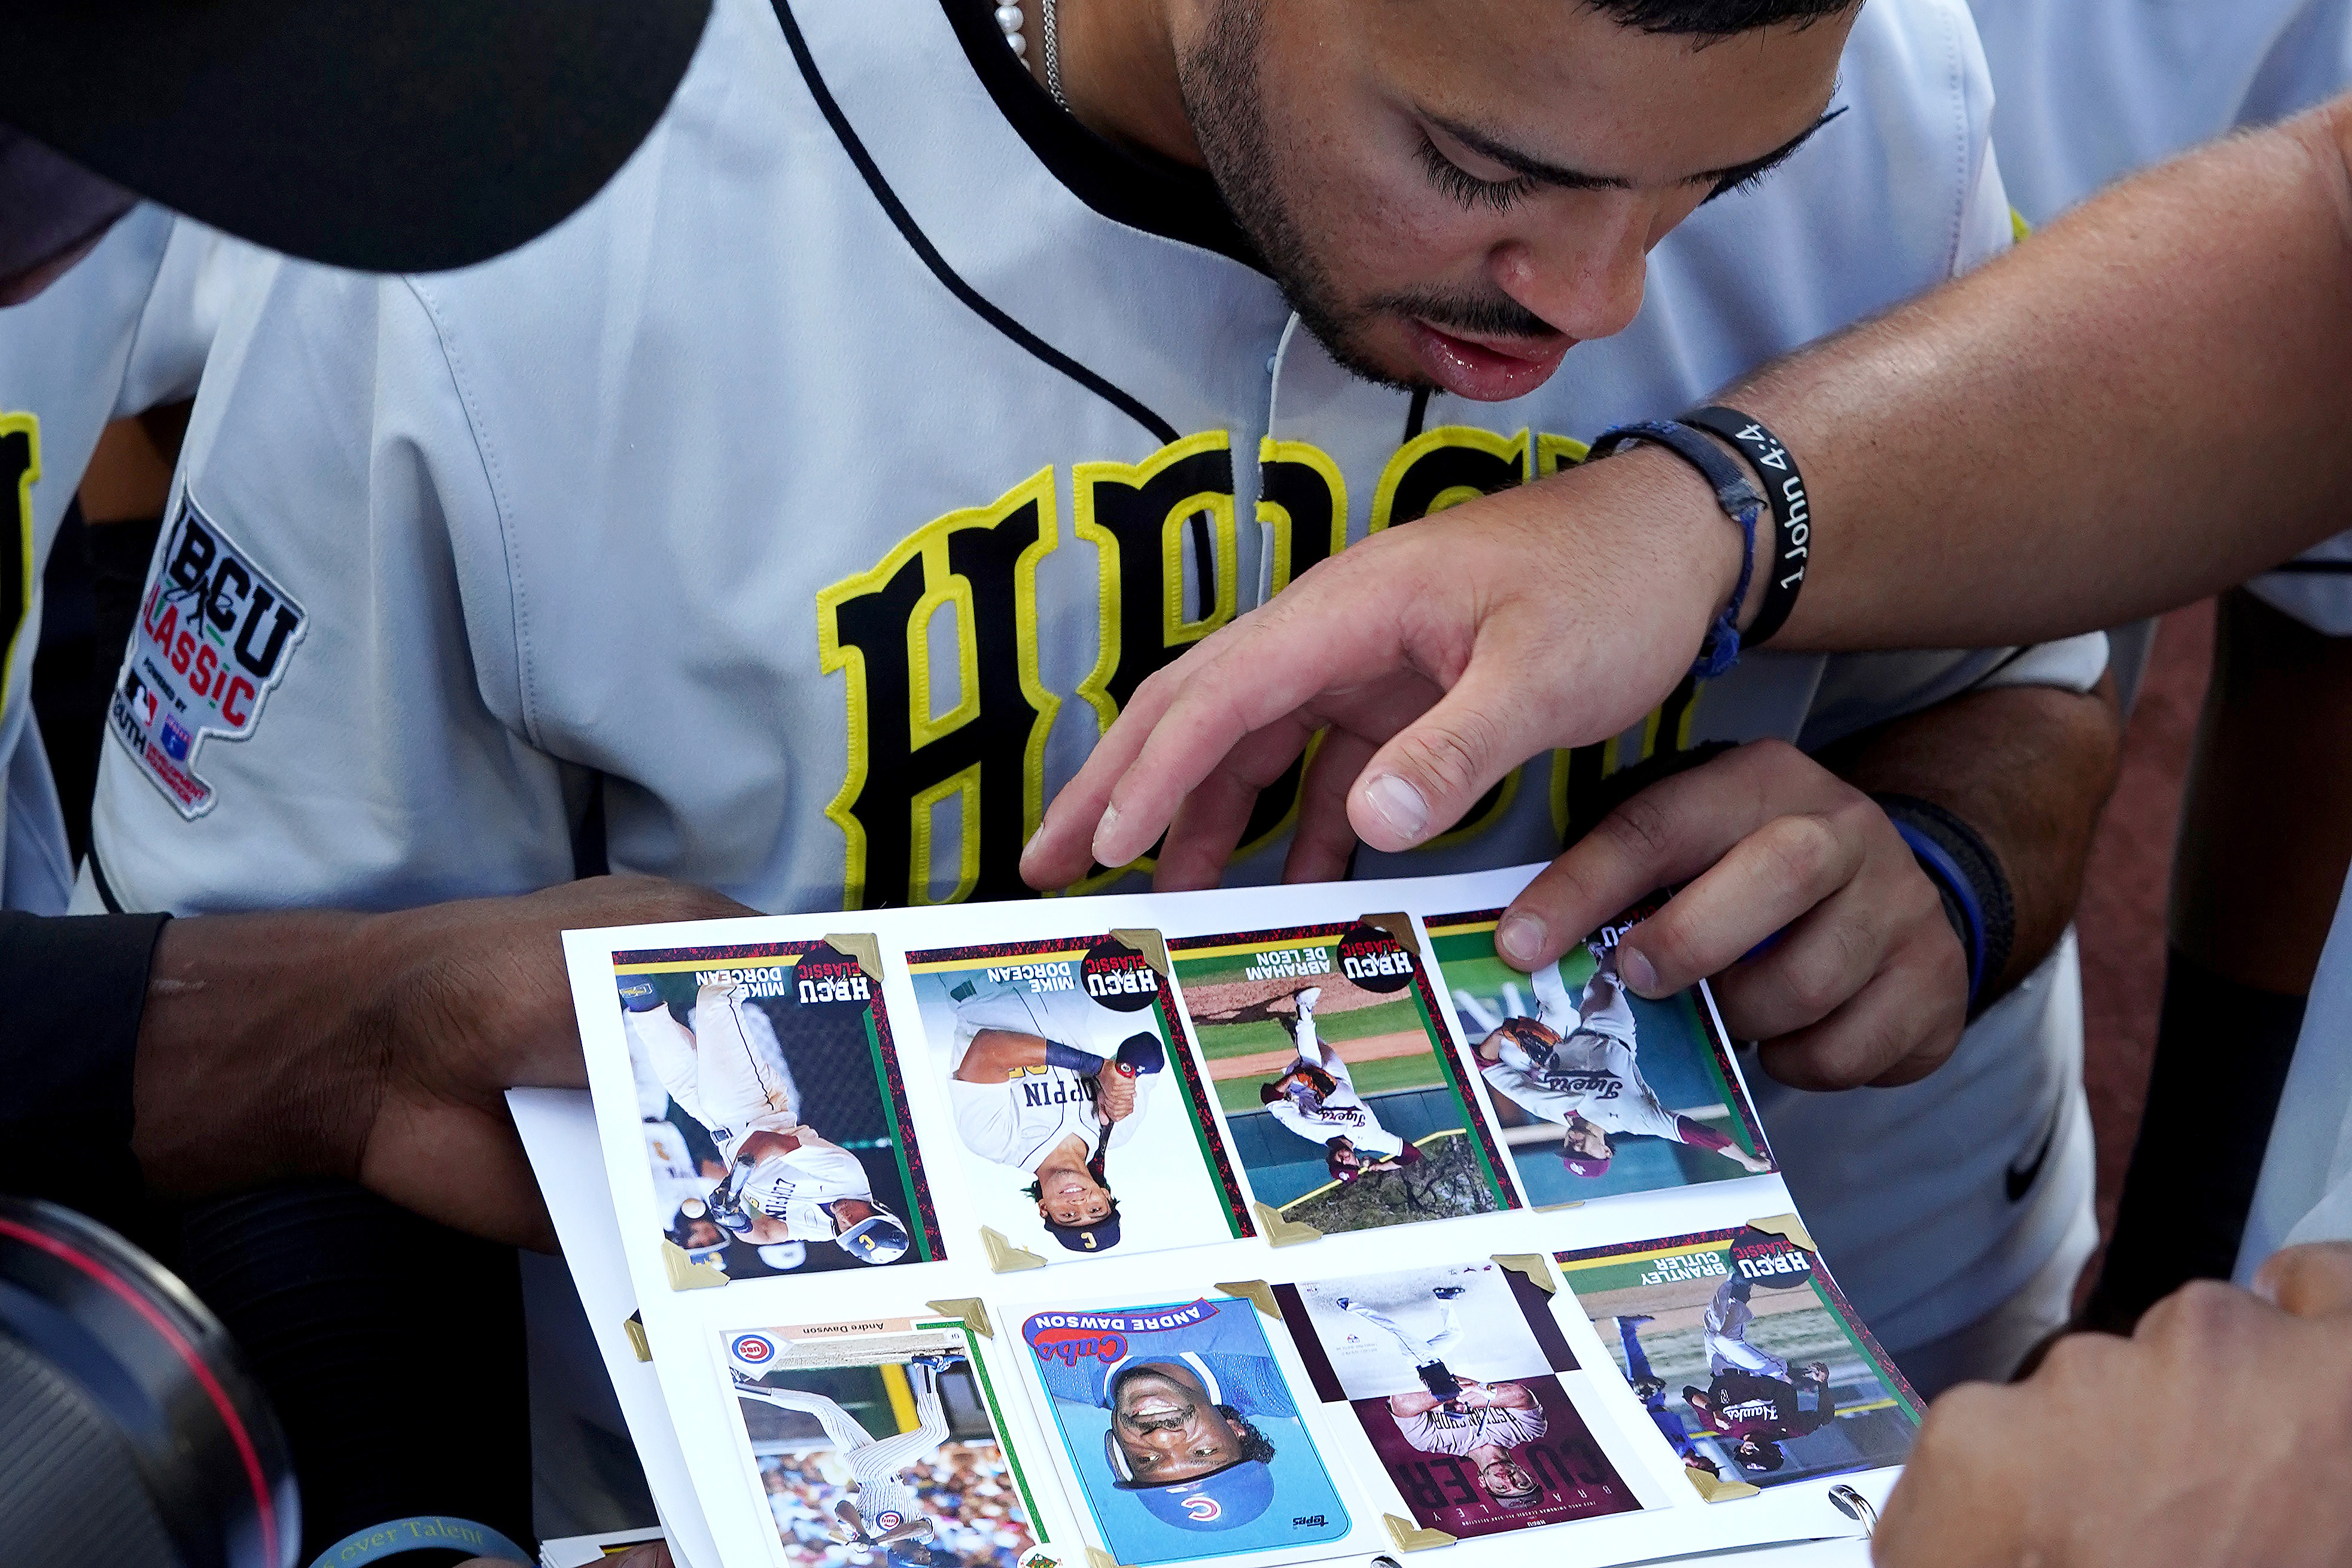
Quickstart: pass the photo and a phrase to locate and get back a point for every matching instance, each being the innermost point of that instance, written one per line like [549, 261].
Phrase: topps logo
[1301, 1520]
[1136, 981]
[215, 636]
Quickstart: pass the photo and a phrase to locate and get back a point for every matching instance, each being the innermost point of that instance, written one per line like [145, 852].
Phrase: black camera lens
[131, 1433]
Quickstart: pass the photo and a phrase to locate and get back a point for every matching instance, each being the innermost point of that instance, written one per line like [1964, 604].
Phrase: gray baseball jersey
[1341, 1113]
[123, 332]
[1442, 1431]
[820, 491]
[1590, 1074]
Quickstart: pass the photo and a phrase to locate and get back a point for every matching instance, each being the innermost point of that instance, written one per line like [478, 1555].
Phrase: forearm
[2141, 404]
[2028, 767]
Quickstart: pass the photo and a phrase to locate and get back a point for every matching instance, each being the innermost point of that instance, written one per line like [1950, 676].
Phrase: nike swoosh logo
[2020, 1178]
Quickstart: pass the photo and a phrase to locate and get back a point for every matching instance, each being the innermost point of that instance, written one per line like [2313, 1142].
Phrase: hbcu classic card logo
[215, 636]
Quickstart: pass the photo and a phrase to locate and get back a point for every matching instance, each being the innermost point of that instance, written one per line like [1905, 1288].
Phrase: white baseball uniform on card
[123, 332]
[886, 1499]
[1440, 1430]
[1725, 1330]
[1593, 1073]
[727, 1071]
[823, 488]
[2092, 91]
[1021, 1121]
[1319, 1117]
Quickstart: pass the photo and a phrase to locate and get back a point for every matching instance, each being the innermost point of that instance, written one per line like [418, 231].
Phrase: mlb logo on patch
[216, 635]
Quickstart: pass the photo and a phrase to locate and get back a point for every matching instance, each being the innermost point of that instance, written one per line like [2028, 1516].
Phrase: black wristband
[1792, 515]
[1740, 503]
[1975, 891]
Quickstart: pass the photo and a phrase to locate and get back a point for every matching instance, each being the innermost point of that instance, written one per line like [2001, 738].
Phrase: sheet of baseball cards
[1259, 1227]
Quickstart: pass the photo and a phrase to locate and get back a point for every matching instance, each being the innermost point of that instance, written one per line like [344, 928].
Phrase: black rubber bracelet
[1740, 503]
[1962, 856]
[1792, 515]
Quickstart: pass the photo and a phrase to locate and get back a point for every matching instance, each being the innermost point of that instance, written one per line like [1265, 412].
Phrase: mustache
[1480, 313]
[1168, 1421]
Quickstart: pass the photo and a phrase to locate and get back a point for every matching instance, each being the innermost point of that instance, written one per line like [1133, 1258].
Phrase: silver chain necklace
[1010, 21]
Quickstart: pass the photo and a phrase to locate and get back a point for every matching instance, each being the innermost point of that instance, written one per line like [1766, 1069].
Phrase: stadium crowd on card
[1076, 783]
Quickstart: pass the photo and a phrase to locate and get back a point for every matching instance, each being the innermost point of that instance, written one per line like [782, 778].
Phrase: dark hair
[1759, 1454]
[1716, 18]
[1253, 1444]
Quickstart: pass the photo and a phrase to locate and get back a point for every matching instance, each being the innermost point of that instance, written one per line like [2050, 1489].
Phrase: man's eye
[1467, 188]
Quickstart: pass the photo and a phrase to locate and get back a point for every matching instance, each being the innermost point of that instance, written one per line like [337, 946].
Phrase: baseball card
[1454, 1374]
[1080, 1118]
[1346, 1101]
[1184, 1433]
[880, 1442]
[775, 1111]
[1596, 1091]
[1746, 1355]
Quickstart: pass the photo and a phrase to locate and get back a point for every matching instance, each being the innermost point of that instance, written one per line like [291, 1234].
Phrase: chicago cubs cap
[404, 137]
[1225, 1500]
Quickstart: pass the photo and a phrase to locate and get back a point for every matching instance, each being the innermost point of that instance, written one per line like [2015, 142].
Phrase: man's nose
[1583, 273]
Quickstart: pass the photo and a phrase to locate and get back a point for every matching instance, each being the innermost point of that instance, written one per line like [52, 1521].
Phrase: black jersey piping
[105, 888]
[920, 243]
[1129, 188]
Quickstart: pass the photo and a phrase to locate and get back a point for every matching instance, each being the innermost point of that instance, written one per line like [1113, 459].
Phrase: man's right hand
[1436, 657]
[374, 1048]
[1115, 1092]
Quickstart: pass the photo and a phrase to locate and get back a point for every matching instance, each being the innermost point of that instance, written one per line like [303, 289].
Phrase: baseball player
[1050, 1083]
[727, 1071]
[1759, 1413]
[1577, 1064]
[1481, 1422]
[1314, 1098]
[1726, 1328]
[909, 502]
[885, 1513]
[1651, 1390]
[1184, 1404]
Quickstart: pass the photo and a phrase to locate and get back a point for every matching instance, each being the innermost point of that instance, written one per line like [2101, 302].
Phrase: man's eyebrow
[1561, 177]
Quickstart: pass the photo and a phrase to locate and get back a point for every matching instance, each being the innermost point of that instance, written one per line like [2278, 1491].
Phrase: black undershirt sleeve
[72, 988]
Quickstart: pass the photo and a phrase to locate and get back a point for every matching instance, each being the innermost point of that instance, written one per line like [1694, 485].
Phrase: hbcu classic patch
[215, 635]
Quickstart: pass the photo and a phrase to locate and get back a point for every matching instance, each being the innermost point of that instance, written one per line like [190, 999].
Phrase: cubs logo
[215, 636]
[755, 1350]
[889, 1519]
[1204, 1509]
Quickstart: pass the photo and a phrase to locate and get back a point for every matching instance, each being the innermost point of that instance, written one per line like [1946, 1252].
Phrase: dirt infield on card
[1374, 1048]
[1228, 1002]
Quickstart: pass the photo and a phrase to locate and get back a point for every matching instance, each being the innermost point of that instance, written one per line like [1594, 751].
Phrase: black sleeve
[72, 988]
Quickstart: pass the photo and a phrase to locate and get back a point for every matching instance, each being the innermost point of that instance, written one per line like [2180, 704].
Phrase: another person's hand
[1437, 657]
[1867, 982]
[2220, 1434]
[376, 1048]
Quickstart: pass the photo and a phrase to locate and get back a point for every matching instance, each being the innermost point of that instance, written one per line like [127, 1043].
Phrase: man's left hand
[1866, 983]
[2219, 1436]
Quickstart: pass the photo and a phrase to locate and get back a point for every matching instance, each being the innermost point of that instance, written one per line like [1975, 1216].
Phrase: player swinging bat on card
[1576, 1063]
[784, 1182]
[1314, 1098]
[885, 1513]
[1050, 1083]
[1480, 1422]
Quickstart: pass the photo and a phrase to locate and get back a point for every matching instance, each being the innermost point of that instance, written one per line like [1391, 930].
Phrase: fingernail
[1104, 830]
[1398, 804]
[1521, 937]
[1637, 970]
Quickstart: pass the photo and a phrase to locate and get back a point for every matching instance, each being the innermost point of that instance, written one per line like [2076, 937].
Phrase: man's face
[1169, 1429]
[1343, 1154]
[1504, 1477]
[1584, 1138]
[849, 1211]
[1455, 193]
[1072, 1197]
[701, 1233]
